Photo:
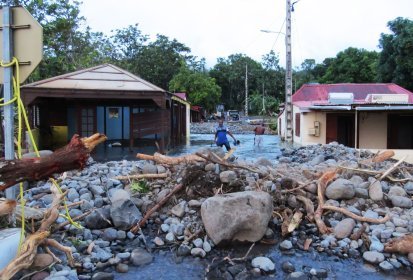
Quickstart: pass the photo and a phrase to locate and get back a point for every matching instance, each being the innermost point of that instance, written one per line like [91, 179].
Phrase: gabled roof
[102, 77]
[310, 94]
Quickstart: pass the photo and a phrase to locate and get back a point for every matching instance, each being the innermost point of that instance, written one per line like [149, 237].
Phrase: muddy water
[165, 266]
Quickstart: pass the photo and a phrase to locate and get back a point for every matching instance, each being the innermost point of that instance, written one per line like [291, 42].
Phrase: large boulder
[124, 214]
[340, 189]
[242, 216]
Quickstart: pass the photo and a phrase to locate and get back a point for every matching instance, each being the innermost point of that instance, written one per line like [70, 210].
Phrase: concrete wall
[307, 122]
[372, 130]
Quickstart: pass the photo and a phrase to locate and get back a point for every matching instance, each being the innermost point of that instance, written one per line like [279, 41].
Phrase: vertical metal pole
[8, 92]
[356, 129]
[246, 90]
[288, 77]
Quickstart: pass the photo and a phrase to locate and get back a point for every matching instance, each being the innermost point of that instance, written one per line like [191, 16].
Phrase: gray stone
[103, 276]
[376, 191]
[122, 268]
[194, 203]
[386, 234]
[120, 235]
[371, 214]
[373, 257]
[344, 228]
[96, 190]
[101, 254]
[160, 169]
[170, 237]
[386, 266]
[158, 241]
[140, 257]
[86, 196]
[395, 263]
[178, 210]
[227, 176]
[263, 263]
[183, 250]
[362, 193]
[162, 194]
[317, 160]
[72, 194]
[165, 227]
[119, 195]
[356, 180]
[402, 202]
[242, 216]
[206, 246]
[210, 167]
[109, 234]
[198, 252]
[375, 244]
[286, 245]
[123, 256]
[287, 267]
[98, 219]
[399, 222]
[298, 275]
[198, 243]
[396, 191]
[124, 214]
[340, 189]
[149, 169]
[408, 187]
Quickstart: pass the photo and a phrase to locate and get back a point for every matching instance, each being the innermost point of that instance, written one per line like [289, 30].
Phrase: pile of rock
[193, 223]
[235, 128]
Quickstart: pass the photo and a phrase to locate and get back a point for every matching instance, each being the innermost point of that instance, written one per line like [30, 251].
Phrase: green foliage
[273, 124]
[201, 89]
[140, 186]
[263, 106]
[396, 58]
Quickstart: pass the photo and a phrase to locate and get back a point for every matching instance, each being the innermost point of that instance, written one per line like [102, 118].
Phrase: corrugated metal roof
[102, 77]
[318, 93]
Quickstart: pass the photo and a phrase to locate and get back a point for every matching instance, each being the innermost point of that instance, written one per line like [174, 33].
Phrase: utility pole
[288, 77]
[246, 90]
[263, 100]
[11, 193]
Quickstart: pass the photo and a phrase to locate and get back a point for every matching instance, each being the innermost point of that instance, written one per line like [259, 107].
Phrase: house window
[297, 124]
[113, 113]
[87, 121]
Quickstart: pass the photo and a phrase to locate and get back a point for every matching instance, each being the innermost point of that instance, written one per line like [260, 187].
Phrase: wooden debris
[73, 156]
[229, 165]
[401, 245]
[385, 155]
[309, 207]
[142, 222]
[307, 244]
[391, 169]
[286, 217]
[143, 176]
[295, 221]
[356, 217]
[321, 188]
[25, 257]
[162, 159]
[357, 234]
[7, 207]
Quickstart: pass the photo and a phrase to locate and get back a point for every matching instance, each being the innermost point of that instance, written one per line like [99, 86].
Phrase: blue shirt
[221, 133]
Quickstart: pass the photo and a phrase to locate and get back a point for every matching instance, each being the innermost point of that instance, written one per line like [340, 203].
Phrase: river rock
[109, 234]
[198, 252]
[242, 216]
[375, 244]
[400, 201]
[210, 167]
[340, 189]
[286, 245]
[40, 275]
[98, 219]
[42, 260]
[227, 176]
[263, 263]
[410, 257]
[373, 257]
[162, 194]
[122, 268]
[103, 276]
[198, 242]
[124, 214]
[386, 266]
[344, 228]
[140, 257]
[194, 203]
[158, 241]
[408, 187]
[183, 250]
[119, 195]
[287, 267]
[178, 210]
[396, 191]
[97, 190]
[297, 275]
[149, 168]
[376, 191]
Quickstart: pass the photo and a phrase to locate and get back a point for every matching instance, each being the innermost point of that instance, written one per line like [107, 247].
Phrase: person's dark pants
[226, 144]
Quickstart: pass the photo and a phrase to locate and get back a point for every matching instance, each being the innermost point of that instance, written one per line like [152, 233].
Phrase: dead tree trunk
[72, 156]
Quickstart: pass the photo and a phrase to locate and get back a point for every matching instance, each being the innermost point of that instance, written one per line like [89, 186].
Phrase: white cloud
[218, 28]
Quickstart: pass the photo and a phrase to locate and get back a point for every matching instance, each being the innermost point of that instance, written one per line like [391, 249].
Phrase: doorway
[87, 121]
[340, 128]
[400, 131]
[114, 123]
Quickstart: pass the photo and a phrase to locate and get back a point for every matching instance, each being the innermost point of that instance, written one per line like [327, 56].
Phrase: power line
[278, 34]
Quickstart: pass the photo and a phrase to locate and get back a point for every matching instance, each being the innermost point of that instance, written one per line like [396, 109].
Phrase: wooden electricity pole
[288, 78]
[246, 90]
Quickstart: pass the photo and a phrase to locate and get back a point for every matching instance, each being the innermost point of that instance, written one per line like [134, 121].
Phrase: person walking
[259, 132]
[221, 132]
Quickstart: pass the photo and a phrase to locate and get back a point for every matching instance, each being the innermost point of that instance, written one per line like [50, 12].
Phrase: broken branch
[143, 176]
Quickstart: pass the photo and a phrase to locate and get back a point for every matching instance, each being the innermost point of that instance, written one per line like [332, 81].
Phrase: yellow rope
[22, 115]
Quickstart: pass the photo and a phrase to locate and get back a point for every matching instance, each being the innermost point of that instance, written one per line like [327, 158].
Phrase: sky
[219, 28]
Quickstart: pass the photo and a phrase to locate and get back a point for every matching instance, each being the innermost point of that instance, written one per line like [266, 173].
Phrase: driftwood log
[162, 159]
[72, 156]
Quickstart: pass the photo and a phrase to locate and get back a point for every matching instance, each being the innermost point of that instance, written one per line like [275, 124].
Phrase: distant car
[233, 115]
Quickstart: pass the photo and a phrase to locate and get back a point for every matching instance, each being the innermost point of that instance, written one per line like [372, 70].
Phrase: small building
[365, 116]
[129, 110]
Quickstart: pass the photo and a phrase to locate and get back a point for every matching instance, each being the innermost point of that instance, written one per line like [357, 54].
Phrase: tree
[201, 89]
[229, 74]
[352, 66]
[396, 58]
[273, 76]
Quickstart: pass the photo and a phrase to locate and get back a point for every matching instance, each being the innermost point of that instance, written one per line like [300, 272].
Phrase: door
[340, 128]
[114, 124]
[87, 121]
[400, 132]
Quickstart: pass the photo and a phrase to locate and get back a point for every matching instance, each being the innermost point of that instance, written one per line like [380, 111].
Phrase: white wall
[307, 122]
